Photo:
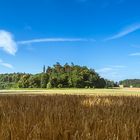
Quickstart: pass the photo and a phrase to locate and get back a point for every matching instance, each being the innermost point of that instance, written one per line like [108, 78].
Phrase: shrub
[60, 86]
[49, 85]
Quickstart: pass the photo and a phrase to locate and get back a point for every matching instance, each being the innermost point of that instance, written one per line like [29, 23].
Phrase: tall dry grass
[69, 117]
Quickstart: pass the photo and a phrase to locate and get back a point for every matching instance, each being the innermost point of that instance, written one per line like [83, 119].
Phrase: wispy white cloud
[104, 70]
[120, 1]
[54, 40]
[125, 32]
[110, 68]
[82, 0]
[28, 27]
[118, 66]
[7, 65]
[108, 73]
[111, 72]
[135, 54]
[104, 3]
[7, 42]
[9, 45]
[135, 46]
[109, 3]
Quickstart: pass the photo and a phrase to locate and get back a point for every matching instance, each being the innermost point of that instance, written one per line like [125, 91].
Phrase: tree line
[57, 76]
[130, 82]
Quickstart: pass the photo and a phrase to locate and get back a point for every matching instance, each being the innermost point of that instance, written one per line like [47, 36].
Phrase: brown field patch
[69, 117]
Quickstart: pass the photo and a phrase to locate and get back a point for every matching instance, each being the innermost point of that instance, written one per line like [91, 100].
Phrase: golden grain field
[69, 117]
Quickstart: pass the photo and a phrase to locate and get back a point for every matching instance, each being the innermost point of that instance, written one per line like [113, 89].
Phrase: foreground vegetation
[69, 117]
[58, 76]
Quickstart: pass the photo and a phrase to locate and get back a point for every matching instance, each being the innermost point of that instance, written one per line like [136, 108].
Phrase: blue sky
[101, 34]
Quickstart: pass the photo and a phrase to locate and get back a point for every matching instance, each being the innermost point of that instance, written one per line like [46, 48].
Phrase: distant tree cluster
[130, 82]
[58, 76]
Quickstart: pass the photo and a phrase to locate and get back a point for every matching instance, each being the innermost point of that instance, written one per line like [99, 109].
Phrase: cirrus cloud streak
[125, 31]
[7, 65]
[41, 40]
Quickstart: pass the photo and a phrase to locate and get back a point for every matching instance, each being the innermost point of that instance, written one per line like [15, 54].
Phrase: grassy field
[96, 92]
[111, 114]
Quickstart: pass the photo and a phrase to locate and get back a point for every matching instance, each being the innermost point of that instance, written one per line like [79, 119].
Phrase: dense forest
[58, 76]
[130, 82]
